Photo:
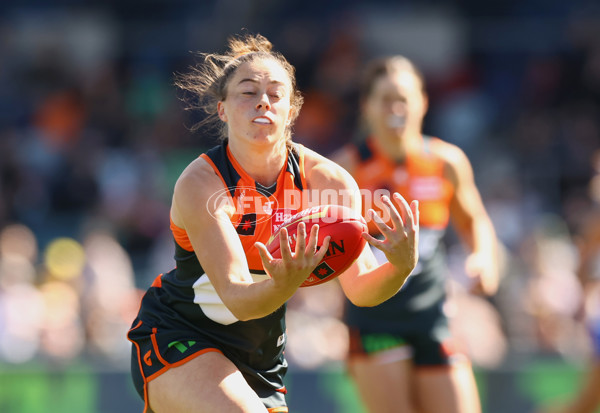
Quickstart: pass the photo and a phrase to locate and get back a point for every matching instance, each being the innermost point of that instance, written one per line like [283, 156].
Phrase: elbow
[367, 303]
[362, 300]
[245, 305]
[242, 314]
[247, 313]
[224, 314]
[246, 317]
[226, 310]
[363, 303]
[371, 297]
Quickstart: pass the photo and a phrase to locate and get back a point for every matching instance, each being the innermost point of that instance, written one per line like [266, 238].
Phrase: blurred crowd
[93, 136]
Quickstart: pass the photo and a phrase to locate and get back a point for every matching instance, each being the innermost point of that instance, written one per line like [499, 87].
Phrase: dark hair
[386, 66]
[206, 83]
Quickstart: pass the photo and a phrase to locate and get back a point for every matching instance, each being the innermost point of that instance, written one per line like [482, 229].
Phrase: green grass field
[81, 388]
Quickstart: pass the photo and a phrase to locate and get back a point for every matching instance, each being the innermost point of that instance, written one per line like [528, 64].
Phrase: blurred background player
[402, 355]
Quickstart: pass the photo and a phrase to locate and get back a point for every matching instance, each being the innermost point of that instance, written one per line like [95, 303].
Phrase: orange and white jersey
[258, 211]
[182, 316]
[419, 176]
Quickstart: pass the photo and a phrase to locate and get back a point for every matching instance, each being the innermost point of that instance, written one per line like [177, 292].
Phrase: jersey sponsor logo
[307, 215]
[279, 216]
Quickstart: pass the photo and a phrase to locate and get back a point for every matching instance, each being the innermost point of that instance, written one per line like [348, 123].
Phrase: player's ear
[221, 111]
[425, 103]
[364, 110]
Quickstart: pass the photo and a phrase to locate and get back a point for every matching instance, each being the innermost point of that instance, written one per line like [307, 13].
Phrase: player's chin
[267, 137]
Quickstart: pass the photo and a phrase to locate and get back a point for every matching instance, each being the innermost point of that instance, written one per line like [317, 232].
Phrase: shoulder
[324, 173]
[322, 169]
[197, 185]
[446, 151]
[197, 172]
[456, 162]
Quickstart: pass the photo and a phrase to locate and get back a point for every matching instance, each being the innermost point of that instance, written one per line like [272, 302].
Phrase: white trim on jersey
[209, 301]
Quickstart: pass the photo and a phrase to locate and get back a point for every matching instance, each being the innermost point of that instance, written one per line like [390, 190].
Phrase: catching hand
[401, 239]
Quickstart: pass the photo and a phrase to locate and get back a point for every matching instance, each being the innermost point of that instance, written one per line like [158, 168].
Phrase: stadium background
[93, 136]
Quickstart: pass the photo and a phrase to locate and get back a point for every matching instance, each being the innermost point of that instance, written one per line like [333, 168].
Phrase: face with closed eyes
[257, 107]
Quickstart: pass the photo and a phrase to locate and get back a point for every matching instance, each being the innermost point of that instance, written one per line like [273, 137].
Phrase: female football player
[210, 334]
[402, 356]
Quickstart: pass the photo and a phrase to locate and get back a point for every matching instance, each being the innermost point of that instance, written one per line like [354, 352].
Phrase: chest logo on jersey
[247, 224]
[246, 202]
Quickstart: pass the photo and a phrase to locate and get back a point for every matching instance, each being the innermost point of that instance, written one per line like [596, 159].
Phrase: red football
[341, 223]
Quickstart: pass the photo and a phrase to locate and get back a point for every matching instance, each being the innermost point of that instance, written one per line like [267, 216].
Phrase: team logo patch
[148, 358]
[247, 224]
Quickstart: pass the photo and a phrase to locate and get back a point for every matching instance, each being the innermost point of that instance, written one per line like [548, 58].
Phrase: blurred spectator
[587, 312]
[21, 304]
[553, 294]
[61, 283]
[109, 298]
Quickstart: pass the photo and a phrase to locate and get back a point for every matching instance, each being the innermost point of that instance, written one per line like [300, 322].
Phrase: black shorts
[158, 346]
[423, 350]
[426, 340]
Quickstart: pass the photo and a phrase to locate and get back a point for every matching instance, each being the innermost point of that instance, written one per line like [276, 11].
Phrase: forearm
[369, 284]
[484, 239]
[478, 236]
[375, 285]
[252, 300]
[225, 264]
[482, 263]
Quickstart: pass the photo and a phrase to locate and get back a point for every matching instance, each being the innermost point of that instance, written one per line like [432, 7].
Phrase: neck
[262, 163]
[397, 146]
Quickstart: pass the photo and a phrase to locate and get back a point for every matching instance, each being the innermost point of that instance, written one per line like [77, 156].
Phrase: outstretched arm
[366, 283]
[472, 223]
[220, 252]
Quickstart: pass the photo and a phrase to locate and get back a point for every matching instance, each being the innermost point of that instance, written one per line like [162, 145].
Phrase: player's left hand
[482, 273]
[401, 239]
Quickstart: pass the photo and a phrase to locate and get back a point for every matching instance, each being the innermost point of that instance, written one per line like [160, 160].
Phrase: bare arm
[366, 283]
[472, 223]
[222, 256]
